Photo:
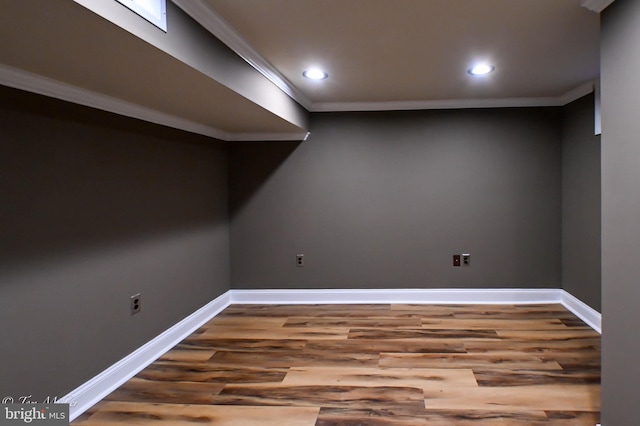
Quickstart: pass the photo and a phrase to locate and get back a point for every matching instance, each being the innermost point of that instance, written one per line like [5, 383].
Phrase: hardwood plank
[199, 330]
[375, 346]
[250, 321]
[574, 359]
[581, 364]
[402, 399]
[553, 311]
[129, 413]
[580, 344]
[494, 360]
[360, 417]
[547, 335]
[141, 390]
[307, 357]
[574, 418]
[204, 372]
[574, 322]
[420, 378]
[503, 378]
[242, 345]
[518, 398]
[389, 333]
[515, 315]
[493, 324]
[187, 355]
[486, 418]
[276, 333]
[377, 321]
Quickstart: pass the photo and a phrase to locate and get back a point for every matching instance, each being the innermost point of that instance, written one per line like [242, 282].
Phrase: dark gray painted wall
[581, 203]
[95, 208]
[620, 59]
[383, 200]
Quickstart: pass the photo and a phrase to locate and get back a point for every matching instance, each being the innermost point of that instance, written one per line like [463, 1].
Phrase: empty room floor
[374, 365]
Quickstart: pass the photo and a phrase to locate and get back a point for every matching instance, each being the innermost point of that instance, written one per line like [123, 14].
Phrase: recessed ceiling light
[481, 69]
[315, 74]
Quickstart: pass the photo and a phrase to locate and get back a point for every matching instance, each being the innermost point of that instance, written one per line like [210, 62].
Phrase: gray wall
[620, 58]
[95, 208]
[581, 203]
[383, 200]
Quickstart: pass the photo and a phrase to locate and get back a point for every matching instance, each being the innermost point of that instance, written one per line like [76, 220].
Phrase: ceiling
[380, 55]
[380, 51]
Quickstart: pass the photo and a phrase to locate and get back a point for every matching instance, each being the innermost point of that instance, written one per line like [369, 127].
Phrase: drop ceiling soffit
[596, 5]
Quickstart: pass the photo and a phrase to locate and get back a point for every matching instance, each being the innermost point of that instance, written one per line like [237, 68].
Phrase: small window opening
[154, 11]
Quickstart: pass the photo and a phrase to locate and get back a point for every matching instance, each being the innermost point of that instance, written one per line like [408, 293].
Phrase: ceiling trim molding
[577, 93]
[200, 11]
[562, 100]
[439, 104]
[596, 5]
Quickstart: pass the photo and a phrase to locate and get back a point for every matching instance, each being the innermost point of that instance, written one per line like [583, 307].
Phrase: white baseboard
[90, 393]
[423, 296]
[583, 311]
[419, 296]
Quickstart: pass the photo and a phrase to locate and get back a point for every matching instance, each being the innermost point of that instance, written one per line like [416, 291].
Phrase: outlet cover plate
[135, 304]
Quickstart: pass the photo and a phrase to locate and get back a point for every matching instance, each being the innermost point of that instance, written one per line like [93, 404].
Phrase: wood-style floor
[370, 365]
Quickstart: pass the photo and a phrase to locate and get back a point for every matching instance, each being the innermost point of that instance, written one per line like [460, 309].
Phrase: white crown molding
[577, 93]
[439, 104]
[90, 393]
[202, 13]
[596, 5]
[20, 79]
[561, 100]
